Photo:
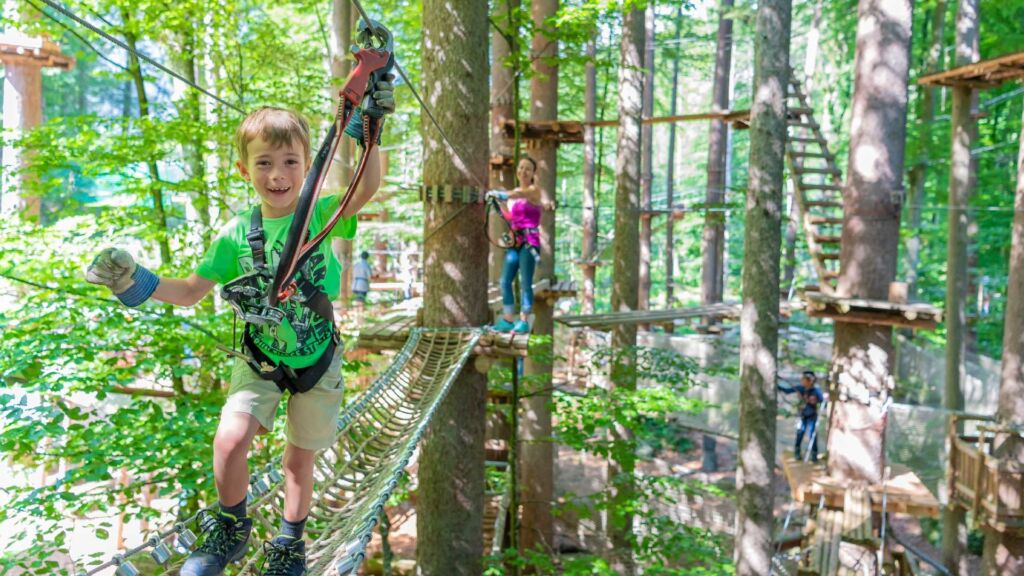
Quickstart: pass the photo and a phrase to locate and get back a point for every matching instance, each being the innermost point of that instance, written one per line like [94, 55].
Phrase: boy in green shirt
[274, 155]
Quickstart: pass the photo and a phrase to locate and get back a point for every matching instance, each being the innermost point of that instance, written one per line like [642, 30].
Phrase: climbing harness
[374, 62]
[512, 238]
[247, 296]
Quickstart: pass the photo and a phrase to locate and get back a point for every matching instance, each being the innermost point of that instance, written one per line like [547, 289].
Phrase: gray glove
[112, 268]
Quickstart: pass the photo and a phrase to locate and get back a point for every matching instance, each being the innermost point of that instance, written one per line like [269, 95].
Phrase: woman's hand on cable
[496, 195]
[113, 268]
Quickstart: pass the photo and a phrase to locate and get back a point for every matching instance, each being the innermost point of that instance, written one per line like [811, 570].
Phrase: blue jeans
[807, 425]
[517, 260]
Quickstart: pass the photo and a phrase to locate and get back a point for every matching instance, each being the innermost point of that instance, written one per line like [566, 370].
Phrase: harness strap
[285, 377]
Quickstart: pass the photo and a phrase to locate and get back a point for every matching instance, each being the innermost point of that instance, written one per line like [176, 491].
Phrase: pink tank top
[523, 214]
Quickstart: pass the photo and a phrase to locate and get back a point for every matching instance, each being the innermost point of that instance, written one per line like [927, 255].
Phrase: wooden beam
[979, 75]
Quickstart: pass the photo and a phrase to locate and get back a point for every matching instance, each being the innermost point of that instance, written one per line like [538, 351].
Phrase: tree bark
[646, 165]
[342, 22]
[589, 241]
[919, 174]
[449, 508]
[713, 239]
[961, 183]
[625, 274]
[862, 354]
[537, 451]
[759, 323]
[1004, 552]
[670, 171]
[502, 109]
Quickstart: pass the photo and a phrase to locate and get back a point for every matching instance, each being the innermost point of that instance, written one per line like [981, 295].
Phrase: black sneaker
[225, 542]
[284, 557]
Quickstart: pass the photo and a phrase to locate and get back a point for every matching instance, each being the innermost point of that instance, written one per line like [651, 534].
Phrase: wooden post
[589, 243]
[24, 58]
[759, 323]
[537, 451]
[646, 166]
[961, 182]
[625, 271]
[502, 109]
[670, 175]
[713, 239]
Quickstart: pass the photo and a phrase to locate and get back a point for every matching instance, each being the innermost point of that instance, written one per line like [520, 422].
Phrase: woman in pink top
[522, 207]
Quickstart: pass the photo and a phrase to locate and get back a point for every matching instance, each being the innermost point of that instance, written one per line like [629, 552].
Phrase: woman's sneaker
[521, 327]
[284, 557]
[225, 542]
[502, 325]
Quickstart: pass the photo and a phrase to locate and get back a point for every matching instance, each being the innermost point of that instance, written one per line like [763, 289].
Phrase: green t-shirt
[303, 335]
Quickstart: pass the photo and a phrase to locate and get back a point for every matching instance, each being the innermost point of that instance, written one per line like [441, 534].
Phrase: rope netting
[376, 437]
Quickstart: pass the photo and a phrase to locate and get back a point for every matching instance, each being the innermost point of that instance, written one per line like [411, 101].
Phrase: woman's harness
[247, 294]
[512, 238]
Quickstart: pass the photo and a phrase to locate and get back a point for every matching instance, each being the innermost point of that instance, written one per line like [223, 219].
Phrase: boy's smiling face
[276, 172]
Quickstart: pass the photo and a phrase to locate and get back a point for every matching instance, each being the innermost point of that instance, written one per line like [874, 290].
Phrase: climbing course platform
[392, 331]
[979, 75]
[903, 492]
[653, 317]
[880, 312]
[376, 437]
[990, 487]
[817, 186]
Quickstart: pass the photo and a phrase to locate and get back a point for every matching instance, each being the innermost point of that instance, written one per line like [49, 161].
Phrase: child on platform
[274, 155]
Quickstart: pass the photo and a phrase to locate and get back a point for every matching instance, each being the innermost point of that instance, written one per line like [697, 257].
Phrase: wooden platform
[546, 290]
[571, 131]
[17, 48]
[656, 317]
[985, 74]
[904, 492]
[991, 488]
[880, 312]
[391, 332]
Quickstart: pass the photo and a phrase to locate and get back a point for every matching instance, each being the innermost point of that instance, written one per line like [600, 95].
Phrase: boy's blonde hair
[278, 126]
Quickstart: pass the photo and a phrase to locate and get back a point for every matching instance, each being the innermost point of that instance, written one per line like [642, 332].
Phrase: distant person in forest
[361, 273]
[301, 354]
[522, 207]
[812, 399]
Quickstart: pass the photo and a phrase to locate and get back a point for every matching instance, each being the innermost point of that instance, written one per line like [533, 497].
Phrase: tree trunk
[624, 275]
[1004, 551]
[759, 326]
[919, 174]
[451, 491]
[646, 165]
[862, 354]
[537, 468]
[713, 240]
[342, 22]
[589, 169]
[961, 183]
[670, 170]
[502, 109]
[793, 218]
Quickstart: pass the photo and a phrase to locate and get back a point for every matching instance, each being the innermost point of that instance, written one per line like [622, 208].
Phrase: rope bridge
[354, 478]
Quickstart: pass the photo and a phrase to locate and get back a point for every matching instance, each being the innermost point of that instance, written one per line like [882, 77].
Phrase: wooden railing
[991, 488]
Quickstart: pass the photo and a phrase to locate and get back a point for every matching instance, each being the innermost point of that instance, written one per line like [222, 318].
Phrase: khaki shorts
[312, 415]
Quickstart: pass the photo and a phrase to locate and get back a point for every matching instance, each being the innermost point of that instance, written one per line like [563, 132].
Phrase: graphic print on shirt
[311, 329]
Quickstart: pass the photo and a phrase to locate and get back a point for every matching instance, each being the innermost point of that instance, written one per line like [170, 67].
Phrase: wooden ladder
[817, 185]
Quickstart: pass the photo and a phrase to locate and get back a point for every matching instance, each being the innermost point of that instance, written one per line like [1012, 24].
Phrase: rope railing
[377, 435]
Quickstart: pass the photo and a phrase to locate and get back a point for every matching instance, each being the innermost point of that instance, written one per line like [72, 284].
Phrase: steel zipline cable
[121, 44]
